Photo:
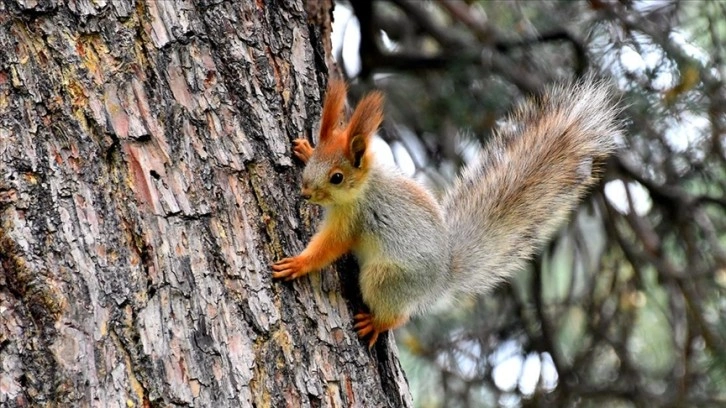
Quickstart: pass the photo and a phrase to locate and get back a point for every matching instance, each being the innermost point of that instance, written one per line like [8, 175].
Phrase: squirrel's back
[528, 178]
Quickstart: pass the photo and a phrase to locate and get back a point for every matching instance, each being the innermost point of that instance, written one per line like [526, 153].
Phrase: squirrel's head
[338, 169]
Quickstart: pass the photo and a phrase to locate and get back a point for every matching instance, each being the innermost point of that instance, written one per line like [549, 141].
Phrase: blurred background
[626, 307]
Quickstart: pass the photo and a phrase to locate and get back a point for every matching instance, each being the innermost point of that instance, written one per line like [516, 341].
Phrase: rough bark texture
[146, 185]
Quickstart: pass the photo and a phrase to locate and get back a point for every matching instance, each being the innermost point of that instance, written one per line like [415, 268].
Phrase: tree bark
[146, 186]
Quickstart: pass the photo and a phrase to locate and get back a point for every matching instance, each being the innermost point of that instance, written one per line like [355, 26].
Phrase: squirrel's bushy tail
[527, 180]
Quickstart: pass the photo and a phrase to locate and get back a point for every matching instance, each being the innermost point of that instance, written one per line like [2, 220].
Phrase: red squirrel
[413, 249]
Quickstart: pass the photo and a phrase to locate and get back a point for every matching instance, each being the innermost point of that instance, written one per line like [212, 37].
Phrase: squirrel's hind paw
[364, 326]
[368, 326]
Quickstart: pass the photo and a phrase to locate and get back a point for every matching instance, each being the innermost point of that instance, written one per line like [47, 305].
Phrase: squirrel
[414, 250]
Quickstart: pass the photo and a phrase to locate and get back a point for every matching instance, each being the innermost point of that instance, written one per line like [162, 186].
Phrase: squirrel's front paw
[302, 149]
[289, 268]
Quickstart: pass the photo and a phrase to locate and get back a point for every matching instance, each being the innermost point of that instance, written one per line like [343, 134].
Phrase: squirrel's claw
[288, 269]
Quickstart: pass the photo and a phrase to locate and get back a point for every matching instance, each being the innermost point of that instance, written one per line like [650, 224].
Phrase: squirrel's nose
[306, 194]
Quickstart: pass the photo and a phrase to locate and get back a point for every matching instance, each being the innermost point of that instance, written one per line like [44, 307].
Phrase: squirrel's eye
[336, 178]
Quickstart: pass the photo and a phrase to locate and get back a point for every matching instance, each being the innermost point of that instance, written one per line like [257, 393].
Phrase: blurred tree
[626, 306]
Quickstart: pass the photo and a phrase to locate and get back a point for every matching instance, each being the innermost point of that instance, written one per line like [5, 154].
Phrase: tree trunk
[146, 186]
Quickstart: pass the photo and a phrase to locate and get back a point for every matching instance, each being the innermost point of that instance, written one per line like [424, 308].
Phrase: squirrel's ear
[365, 121]
[357, 147]
[332, 108]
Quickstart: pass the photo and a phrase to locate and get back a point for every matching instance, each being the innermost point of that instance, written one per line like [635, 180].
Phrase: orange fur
[363, 124]
[332, 108]
[332, 145]
[302, 149]
[367, 117]
[325, 247]
[368, 325]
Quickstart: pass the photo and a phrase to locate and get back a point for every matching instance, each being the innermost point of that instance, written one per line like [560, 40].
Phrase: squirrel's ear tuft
[365, 121]
[332, 108]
